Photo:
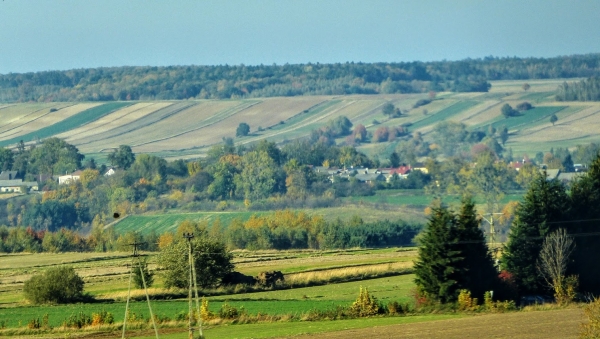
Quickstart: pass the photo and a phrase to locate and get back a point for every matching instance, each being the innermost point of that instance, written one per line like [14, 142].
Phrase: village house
[9, 183]
[68, 178]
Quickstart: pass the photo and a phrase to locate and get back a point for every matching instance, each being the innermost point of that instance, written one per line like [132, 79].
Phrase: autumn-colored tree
[360, 132]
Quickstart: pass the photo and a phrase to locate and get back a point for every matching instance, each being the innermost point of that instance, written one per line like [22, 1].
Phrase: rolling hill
[188, 128]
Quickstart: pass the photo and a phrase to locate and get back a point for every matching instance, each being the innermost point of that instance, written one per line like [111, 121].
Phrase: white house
[68, 178]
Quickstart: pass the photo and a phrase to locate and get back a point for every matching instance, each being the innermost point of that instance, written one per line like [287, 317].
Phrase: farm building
[15, 185]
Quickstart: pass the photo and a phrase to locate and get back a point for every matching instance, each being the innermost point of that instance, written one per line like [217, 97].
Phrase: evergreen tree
[545, 204]
[436, 266]
[394, 160]
[476, 271]
[585, 197]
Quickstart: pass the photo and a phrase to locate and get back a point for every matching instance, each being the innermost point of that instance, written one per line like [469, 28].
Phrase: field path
[558, 324]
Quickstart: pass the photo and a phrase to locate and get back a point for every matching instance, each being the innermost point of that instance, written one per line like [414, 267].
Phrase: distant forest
[223, 82]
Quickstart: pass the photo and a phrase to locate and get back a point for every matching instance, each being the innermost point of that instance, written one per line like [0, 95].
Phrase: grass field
[444, 114]
[418, 198]
[168, 222]
[162, 223]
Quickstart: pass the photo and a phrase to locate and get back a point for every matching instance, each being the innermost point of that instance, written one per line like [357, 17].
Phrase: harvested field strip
[303, 128]
[443, 114]
[112, 119]
[190, 120]
[528, 117]
[227, 127]
[113, 137]
[17, 116]
[47, 119]
[71, 122]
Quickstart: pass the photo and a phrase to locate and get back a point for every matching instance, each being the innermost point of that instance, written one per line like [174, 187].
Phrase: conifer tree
[436, 266]
[544, 206]
[476, 271]
[585, 197]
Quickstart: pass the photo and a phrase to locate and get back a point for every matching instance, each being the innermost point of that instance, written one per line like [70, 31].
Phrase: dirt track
[560, 324]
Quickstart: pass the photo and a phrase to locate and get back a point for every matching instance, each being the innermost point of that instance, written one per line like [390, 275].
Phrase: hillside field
[187, 129]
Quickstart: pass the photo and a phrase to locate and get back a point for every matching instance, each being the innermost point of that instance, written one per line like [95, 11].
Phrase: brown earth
[556, 324]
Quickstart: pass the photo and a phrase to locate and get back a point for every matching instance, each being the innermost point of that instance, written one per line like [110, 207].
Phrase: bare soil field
[558, 324]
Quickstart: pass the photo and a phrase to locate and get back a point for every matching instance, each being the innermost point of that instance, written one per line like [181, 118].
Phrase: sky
[40, 35]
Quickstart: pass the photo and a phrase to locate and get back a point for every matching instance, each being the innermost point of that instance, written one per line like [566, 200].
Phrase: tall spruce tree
[436, 266]
[476, 271]
[585, 212]
[544, 206]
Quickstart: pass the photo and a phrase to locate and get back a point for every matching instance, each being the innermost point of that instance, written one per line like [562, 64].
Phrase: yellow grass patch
[345, 272]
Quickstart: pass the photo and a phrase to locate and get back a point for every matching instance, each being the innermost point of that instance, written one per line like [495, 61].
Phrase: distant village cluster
[11, 182]
[370, 175]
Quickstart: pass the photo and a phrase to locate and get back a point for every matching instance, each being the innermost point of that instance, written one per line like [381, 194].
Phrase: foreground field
[559, 324]
[556, 324]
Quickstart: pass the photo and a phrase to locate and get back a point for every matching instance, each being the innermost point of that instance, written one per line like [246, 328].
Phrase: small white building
[68, 178]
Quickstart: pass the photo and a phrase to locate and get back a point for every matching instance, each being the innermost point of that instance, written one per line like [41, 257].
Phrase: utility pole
[135, 256]
[192, 282]
[492, 232]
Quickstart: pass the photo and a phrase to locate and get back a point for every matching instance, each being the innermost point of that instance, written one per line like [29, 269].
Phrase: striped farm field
[65, 119]
[37, 125]
[444, 114]
[187, 129]
[528, 117]
[114, 119]
[108, 138]
[267, 112]
[15, 118]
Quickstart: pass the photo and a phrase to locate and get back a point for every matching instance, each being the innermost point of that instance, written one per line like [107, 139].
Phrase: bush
[465, 302]
[591, 328]
[421, 102]
[56, 285]
[365, 305]
[524, 106]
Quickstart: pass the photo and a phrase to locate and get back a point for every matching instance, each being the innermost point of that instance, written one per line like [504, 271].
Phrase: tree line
[225, 81]
[279, 230]
[584, 90]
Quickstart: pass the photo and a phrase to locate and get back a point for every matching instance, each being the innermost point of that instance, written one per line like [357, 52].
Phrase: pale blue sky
[38, 35]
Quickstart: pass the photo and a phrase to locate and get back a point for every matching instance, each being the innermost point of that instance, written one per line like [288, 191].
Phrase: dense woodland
[219, 82]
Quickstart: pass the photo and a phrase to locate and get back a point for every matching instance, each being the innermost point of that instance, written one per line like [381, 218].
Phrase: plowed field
[560, 324]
